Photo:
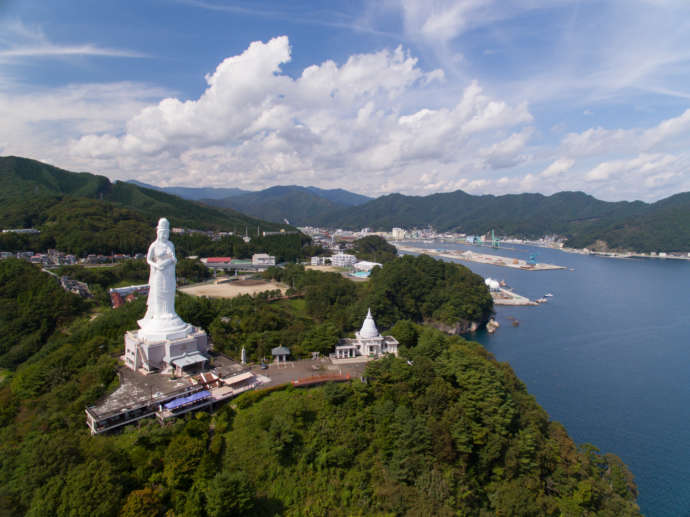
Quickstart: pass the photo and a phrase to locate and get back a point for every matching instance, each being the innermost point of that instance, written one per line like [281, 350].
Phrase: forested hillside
[374, 249]
[299, 205]
[442, 430]
[584, 220]
[85, 213]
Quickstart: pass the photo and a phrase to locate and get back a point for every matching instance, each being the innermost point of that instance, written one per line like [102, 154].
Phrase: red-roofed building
[217, 260]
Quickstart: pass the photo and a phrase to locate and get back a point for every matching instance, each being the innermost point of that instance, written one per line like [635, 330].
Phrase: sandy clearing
[333, 269]
[232, 289]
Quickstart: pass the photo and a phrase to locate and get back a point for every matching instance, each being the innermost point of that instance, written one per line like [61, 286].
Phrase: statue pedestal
[174, 351]
[161, 329]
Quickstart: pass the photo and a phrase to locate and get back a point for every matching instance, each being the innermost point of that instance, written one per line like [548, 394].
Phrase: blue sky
[411, 96]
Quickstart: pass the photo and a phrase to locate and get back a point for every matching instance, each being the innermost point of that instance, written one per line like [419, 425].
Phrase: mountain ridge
[582, 219]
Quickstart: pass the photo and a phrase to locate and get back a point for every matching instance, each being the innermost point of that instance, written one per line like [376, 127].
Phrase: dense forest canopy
[374, 249]
[83, 213]
[442, 430]
[421, 288]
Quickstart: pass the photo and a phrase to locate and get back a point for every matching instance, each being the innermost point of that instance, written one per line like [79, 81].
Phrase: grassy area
[298, 305]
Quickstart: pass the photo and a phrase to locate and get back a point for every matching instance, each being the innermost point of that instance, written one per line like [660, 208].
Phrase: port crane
[495, 242]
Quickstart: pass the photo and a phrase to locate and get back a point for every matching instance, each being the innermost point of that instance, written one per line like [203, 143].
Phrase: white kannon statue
[161, 321]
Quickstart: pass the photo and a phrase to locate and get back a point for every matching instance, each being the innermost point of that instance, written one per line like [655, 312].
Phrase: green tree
[229, 494]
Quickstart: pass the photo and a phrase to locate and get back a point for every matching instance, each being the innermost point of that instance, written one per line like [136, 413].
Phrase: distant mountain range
[298, 205]
[30, 190]
[192, 193]
[583, 219]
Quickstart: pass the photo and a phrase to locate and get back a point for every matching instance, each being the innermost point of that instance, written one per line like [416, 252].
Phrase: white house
[365, 265]
[368, 342]
[398, 234]
[343, 260]
[263, 259]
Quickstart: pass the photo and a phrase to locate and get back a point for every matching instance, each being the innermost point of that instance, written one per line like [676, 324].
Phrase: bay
[608, 356]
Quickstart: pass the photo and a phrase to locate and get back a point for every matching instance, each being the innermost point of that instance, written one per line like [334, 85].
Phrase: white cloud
[558, 167]
[508, 152]
[254, 125]
[21, 41]
[373, 124]
[40, 123]
[644, 165]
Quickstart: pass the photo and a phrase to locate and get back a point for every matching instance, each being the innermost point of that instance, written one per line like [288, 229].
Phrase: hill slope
[339, 196]
[299, 205]
[79, 211]
[443, 430]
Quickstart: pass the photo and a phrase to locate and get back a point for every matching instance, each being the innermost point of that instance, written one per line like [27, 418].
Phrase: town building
[75, 287]
[263, 260]
[365, 265]
[368, 342]
[120, 295]
[22, 230]
[318, 261]
[343, 260]
[398, 234]
[217, 262]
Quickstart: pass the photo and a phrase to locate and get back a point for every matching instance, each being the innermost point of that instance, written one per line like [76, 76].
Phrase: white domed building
[368, 342]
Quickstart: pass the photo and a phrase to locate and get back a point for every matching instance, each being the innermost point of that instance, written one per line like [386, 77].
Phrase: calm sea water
[609, 357]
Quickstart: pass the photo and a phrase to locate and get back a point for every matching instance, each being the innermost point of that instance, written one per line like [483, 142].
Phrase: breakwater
[482, 258]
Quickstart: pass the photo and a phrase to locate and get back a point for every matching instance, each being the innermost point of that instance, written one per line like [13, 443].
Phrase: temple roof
[368, 329]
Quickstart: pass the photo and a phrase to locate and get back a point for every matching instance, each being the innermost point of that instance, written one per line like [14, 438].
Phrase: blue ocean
[608, 356]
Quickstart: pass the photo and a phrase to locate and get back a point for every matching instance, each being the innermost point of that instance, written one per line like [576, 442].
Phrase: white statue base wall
[148, 353]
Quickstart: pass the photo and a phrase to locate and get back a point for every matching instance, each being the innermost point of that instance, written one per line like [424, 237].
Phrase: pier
[506, 297]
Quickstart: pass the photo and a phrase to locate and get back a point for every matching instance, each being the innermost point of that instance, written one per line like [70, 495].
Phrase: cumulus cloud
[558, 167]
[39, 123]
[373, 124]
[254, 125]
[645, 176]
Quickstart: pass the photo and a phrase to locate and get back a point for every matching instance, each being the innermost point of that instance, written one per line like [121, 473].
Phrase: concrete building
[263, 260]
[368, 342]
[365, 265]
[343, 260]
[318, 261]
[398, 234]
[217, 262]
[22, 230]
[75, 287]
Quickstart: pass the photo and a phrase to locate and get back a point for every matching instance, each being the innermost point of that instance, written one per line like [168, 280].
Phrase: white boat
[548, 295]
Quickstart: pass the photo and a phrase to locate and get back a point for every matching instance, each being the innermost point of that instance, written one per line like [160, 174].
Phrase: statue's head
[163, 229]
